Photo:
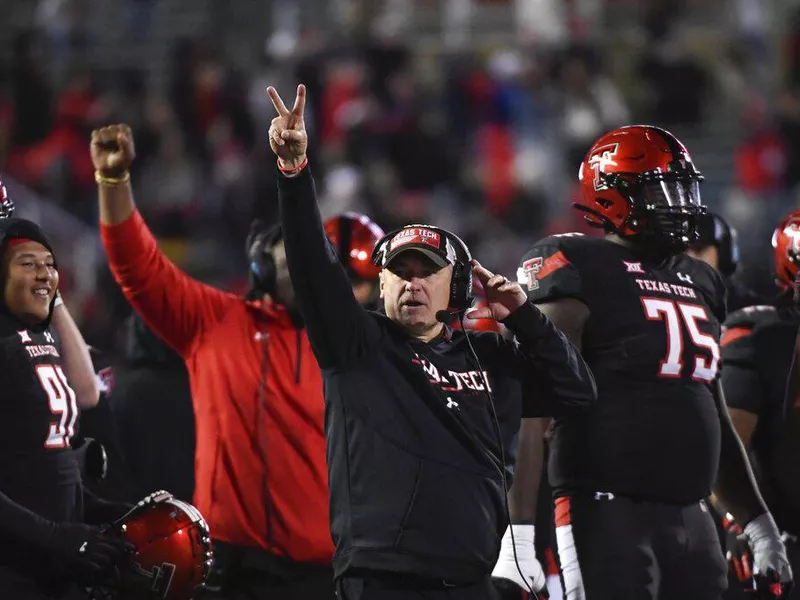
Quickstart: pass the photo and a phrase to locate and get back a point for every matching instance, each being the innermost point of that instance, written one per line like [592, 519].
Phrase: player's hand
[287, 132]
[737, 553]
[503, 296]
[112, 150]
[506, 577]
[771, 569]
[86, 551]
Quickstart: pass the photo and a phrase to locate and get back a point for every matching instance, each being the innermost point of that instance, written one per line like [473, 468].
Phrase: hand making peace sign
[287, 132]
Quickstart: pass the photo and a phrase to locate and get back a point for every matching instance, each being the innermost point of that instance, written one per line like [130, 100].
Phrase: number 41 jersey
[38, 413]
[651, 340]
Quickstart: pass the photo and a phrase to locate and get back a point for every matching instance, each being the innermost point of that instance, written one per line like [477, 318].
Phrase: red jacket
[261, 477]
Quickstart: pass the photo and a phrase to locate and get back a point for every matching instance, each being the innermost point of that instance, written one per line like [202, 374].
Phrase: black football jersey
[38, 411]
[757, 348]
[652, 342]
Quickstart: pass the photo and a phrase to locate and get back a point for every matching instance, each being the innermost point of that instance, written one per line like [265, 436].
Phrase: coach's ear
[380, 281]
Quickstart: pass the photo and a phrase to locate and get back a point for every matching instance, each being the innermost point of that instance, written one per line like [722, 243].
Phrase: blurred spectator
[589, 103]
[760, 157]
[31, 92]
[678, 84]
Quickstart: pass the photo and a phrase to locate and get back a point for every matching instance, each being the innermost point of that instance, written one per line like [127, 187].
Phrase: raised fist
[112, 150]
[287, 132]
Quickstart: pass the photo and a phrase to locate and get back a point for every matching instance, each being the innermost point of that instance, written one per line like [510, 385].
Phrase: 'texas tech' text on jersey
[651, 341]
[38, 411]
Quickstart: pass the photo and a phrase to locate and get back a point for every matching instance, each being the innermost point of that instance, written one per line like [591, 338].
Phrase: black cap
[432, 242]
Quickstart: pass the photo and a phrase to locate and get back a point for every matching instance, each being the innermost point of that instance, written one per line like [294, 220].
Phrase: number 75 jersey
[652, 342]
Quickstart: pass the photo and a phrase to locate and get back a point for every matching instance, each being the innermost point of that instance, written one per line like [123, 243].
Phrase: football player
[46, 547]
[758, 344]
[717, 245]
[630, 475]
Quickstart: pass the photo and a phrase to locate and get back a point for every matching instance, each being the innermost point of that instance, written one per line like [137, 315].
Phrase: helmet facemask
[665, 207]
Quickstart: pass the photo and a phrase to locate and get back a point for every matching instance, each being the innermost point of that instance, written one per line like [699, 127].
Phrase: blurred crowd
[484, 141]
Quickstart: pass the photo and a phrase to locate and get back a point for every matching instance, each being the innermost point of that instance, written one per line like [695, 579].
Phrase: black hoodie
[414, 463]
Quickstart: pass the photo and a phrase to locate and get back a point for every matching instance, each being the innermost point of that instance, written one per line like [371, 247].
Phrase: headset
[713, 230]
[258, 248]
[461, 296]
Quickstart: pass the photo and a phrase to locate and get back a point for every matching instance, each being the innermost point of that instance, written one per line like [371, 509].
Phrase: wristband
[295, 170]
[112, 181]
[58, 301]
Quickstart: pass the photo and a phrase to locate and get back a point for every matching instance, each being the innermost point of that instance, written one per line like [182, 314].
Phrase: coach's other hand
[503, 296]
[506, 577]
[112, 150]
[287, 132]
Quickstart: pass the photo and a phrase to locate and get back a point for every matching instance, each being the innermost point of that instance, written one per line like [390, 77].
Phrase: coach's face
[414, 289]
[30, 281]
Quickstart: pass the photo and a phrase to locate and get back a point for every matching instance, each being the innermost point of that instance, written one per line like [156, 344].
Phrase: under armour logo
[24, 336]
[685, 278]
[603, 496]
[451, 404]
[49, 337]
[633, 267]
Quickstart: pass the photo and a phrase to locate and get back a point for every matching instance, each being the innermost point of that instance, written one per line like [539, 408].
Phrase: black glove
[740, 559]
[86, 552]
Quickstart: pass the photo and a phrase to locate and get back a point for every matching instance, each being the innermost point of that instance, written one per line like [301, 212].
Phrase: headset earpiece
[261, 264]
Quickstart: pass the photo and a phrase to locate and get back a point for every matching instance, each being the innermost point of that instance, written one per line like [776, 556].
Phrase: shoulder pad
[547, 271]
[562, 239]
[752, 316]
[742, 323]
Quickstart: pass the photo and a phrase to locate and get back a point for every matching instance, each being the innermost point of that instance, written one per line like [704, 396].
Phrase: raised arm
[339, 329]
[178, 308]
[77, 361]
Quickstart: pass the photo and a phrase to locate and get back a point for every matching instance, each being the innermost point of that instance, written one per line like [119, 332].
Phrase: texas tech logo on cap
[416, 235]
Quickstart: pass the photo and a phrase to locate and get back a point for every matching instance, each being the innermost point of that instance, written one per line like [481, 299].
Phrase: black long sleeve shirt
[414, 460]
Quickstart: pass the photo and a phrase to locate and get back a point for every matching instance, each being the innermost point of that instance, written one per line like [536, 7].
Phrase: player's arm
[735, 487]
[740, 396]
[72, 545]
[178, 308]
[339, 330]
[737, 491]
[569, 315]
[75, 355]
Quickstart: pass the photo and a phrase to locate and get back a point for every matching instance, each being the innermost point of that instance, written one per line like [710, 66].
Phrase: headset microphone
[447, 316]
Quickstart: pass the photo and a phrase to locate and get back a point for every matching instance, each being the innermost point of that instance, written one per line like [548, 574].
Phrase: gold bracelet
[112, 181]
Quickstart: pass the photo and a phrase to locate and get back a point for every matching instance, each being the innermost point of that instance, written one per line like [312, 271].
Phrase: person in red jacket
[260, 471]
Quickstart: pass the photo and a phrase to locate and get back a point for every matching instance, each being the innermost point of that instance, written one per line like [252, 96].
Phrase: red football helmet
[639, 181]
[354, 236]
[173, 550]
[786, 242]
